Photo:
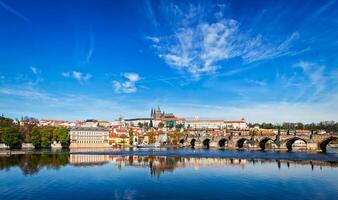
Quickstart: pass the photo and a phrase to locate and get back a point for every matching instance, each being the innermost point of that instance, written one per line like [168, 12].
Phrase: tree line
[328, 126]
[13, 133]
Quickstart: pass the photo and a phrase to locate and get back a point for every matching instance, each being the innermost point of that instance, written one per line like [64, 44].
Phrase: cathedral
[157, 114]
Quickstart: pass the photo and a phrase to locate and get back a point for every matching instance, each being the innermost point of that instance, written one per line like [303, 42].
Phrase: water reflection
[31, 164]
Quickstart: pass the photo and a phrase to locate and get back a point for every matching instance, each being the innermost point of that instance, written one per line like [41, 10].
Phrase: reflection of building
[85, 159]
[88, 137]
[161, 164]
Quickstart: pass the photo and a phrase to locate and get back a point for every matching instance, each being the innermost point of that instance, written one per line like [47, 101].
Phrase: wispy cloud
[34, 70]
[315, 74]
[14, 12]
[26, 91]
[153, 39]
[91, 47]
[127, 86]
[2, 78]
[198, 47]
[79, 76]
[257, 50]
[255, 82]
[21, 100]
[324, 8]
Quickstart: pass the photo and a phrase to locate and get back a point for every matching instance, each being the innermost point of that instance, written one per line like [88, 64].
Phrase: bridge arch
[323, 144]
[222, 142]
[240, 142]
[263, 142]
[206, 143]
[193, 143]
[291, 141]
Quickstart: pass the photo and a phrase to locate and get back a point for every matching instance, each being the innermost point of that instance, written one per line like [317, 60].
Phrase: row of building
[159, 128]
[157, 119]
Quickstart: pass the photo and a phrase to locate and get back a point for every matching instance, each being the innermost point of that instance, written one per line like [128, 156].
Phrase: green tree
[46, 136]
[61, 135]
[36, 137]
[6, 122]
[131, 136]
[140, 125]
[26, 126]
[152, 137]
[10, 136]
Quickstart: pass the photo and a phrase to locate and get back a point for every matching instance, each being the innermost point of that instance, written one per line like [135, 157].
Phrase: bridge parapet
[277, 142]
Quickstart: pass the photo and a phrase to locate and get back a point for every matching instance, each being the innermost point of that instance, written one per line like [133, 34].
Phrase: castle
[157, 114]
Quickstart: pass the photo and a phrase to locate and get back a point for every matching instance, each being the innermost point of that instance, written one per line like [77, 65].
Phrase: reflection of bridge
[259, 142]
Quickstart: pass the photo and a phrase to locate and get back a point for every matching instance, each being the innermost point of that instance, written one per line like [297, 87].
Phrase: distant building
[118, 139]
[104, 124]
[90, 123]
[205, 124]
[63, 123]
[135, 122]
[236, 124]
[303, 132]
[172, 121]
[157, 114]
[216, 124]
[89, 137]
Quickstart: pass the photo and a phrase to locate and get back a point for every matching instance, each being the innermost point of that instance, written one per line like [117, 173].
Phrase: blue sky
[268, 61]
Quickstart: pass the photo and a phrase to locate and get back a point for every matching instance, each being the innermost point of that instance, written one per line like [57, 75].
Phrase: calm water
[184, 175]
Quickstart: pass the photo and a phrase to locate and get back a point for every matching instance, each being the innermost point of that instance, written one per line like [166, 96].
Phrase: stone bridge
[259, 142]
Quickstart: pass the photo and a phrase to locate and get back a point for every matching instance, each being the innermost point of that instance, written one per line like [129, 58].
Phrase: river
[168, 174]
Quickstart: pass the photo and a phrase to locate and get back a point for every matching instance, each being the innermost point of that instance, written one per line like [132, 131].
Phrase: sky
[266, 61]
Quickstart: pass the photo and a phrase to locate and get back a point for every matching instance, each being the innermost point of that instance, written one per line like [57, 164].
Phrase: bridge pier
[214, 144]
[312, 146]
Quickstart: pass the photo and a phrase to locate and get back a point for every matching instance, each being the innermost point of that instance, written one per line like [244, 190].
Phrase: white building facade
[88, 137]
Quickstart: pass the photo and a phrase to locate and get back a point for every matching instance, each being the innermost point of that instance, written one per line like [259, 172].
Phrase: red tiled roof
[113, 134]
[123, 136]
[121, 130]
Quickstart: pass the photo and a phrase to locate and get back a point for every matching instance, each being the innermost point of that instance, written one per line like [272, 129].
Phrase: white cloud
[127, 86]
[154, 39]
[34, 70]
[198, 47]
[18, 101]
[79, 76]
